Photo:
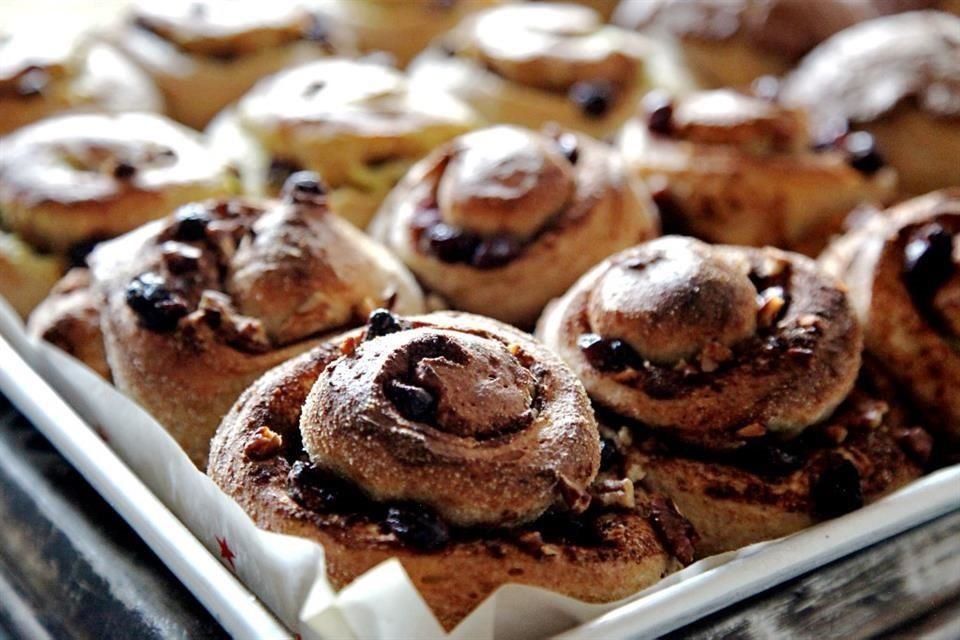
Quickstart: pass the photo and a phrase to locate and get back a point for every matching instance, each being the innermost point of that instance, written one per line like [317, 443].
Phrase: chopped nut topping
[349, 346]
[771, 267]
[264, 444]
[514, 349]
[836, 433]
[872, 416]
[810, 320]
[532, 542]
[241, 332]
[752, 430]
[770, 303]
[917, 442]
[575, 496]
[625, 436]
[180, 258]
[614, 493]
[636, 472]
[713, 355]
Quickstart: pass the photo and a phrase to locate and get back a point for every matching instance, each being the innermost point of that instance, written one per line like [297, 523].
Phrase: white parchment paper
[287, 573]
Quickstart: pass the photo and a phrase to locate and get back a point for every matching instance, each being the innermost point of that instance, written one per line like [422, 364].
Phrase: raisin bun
[456, 444]
[903, 272]
[204, 54]
[48, 68]
[401, 29]
[532, 63]
[730, 43]
[503, 219]
[357, 123]
[729, 167]
[729, 375]
[897, 78]
[196, 306]
[71, 180]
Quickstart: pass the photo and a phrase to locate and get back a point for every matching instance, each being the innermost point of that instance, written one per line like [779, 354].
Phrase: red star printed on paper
[226, 552]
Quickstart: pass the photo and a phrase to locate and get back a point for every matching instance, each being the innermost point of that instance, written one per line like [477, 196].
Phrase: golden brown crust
[201, 303]
[894, 74]
[856, 457]
[529, 212]
[69, 318]
[47, 69]
[359, 124]
[531, 63]
[622, 554]
[204, 55]
[727, 362]
[729, 43]
[728, 167]
[402, 29]
[901, 269]
[25, 275]
[75, 179]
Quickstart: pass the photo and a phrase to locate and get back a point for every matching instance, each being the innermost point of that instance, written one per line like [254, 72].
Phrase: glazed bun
[205, 54]
[454, 443]
[48, 68]
[503, 219]
[728, 167]
[528, 64]
[897, 78]
[357, 123]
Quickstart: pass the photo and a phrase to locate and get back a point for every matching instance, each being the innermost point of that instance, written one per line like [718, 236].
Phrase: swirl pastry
[198, 305]
[501, 220]
[528, 64]
[47, 69]
[204, 54]
[901, 266]
[72, 180]
[728, 167]
[402, 29]
[454, 443]
[730, 377]
[897, 78]
[730, 43]
[359, 124]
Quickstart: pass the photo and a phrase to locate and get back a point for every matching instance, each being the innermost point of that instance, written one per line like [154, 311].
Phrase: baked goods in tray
[901, 268]
[401, 28]
[204, 54]
[503, 219]
[47, 68]
[733, 168]
[729, 374]
[71, 180]
[897, 78]
[730, 43]
[357, 123]
[198, 305]
[457, 444]
[533, 63]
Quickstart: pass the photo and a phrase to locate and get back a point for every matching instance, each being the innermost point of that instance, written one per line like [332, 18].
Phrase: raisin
[610, 454]
[562, 527]
[928, 261]
[837, 490]
[33, 83]
[863, 154]
[606, 354]
[413, 403]
[766, 456]
[319, 490]
[77, 254]
[495, 252]
[569, 146]
[417, 526]
[593, 97]
[380, 323]
[449, 244]
[190, 223]
[659, 108]
[159, 308]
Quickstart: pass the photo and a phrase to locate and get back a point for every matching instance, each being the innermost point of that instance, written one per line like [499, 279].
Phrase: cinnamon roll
[198, 305]
[72, 180]
[501, 220]
[359, 124]
[402, 29]
[728, 167]
[48, 68]
[898, 79]
[730, 43]
[901, 267]
[729, 376]
[204, 54]
[528, 64]
[460, 446]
